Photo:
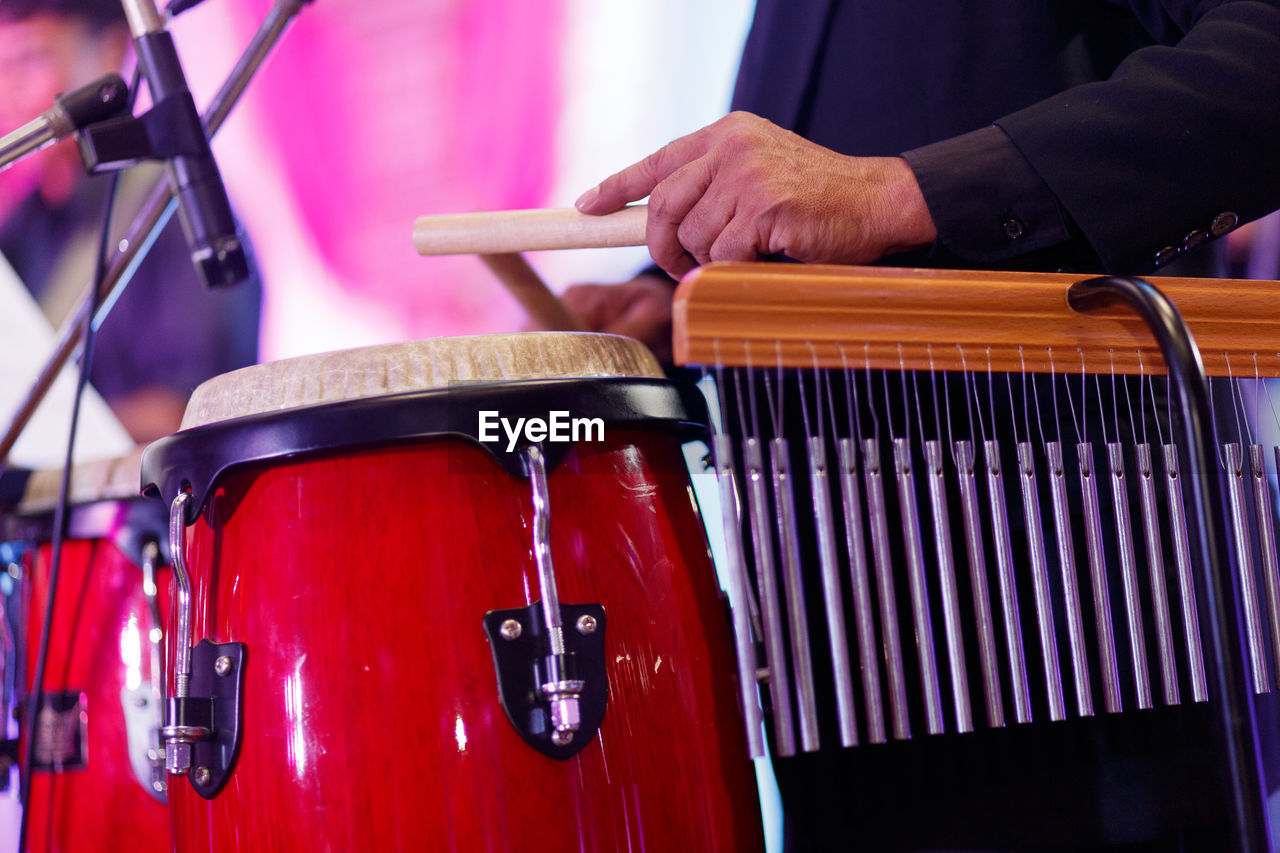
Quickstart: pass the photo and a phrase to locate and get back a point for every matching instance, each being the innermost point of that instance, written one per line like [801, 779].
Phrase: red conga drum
[449, 595]
[96, 779]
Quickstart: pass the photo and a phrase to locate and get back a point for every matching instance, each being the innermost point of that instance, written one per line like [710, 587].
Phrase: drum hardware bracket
[62, 739]
[202, 729]
[530, 680]
[142, 738]
[144, 705]
[556, 677]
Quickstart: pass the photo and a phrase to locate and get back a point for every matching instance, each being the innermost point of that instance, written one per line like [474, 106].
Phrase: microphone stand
[155, 212]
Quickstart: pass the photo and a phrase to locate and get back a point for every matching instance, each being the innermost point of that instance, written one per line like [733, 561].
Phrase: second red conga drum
[368, 563]
[96, 782]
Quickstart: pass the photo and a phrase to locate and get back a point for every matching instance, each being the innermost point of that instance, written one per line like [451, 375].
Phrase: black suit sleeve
[1177, 147]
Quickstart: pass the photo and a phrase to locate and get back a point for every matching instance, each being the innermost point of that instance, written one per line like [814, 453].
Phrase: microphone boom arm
[93, 102]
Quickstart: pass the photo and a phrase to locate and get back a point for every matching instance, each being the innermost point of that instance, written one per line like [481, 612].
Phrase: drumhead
[436, 363]
[91, 482]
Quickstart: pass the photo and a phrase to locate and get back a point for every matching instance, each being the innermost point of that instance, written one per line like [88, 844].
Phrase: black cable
[60, 510]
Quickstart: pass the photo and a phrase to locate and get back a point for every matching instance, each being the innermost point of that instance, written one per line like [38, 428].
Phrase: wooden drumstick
[523, 282]
[506, 231]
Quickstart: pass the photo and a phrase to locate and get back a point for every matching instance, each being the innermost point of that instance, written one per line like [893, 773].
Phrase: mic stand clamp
[157, 134]
[168, 130]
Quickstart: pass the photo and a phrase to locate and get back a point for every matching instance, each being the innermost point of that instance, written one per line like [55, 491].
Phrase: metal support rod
[537, 471]
[1233, 708]
[93, 102]
[31, 137]
[152, 560]
[182, 586]
[177, 734]
[557, 684]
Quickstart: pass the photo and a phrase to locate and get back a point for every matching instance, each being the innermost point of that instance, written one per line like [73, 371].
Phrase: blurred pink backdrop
[370, 112]
[374, 112]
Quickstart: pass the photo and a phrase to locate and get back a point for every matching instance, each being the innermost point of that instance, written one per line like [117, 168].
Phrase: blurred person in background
[167, 333]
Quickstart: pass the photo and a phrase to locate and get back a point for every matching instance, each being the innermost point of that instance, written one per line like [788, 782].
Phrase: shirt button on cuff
[1014, 228]
[1194, 239]
[1223, 222]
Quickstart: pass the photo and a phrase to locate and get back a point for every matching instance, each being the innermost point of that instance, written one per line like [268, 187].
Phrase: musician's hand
[639, 308]
[744, 188]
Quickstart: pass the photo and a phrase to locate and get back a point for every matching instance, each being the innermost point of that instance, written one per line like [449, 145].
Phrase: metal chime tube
[833, 599]
[864, 622]
[793, 581]
[1244, 559]
[1155, 565]
[1098, 575]
[1007, 583]
[1040, 581]
[1129, 574]
[978, 581]
[917, 585]
[1070, 583]
[934, 475]
[770, 597]
[1186, 583]
[885, 588]
[722, 451]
